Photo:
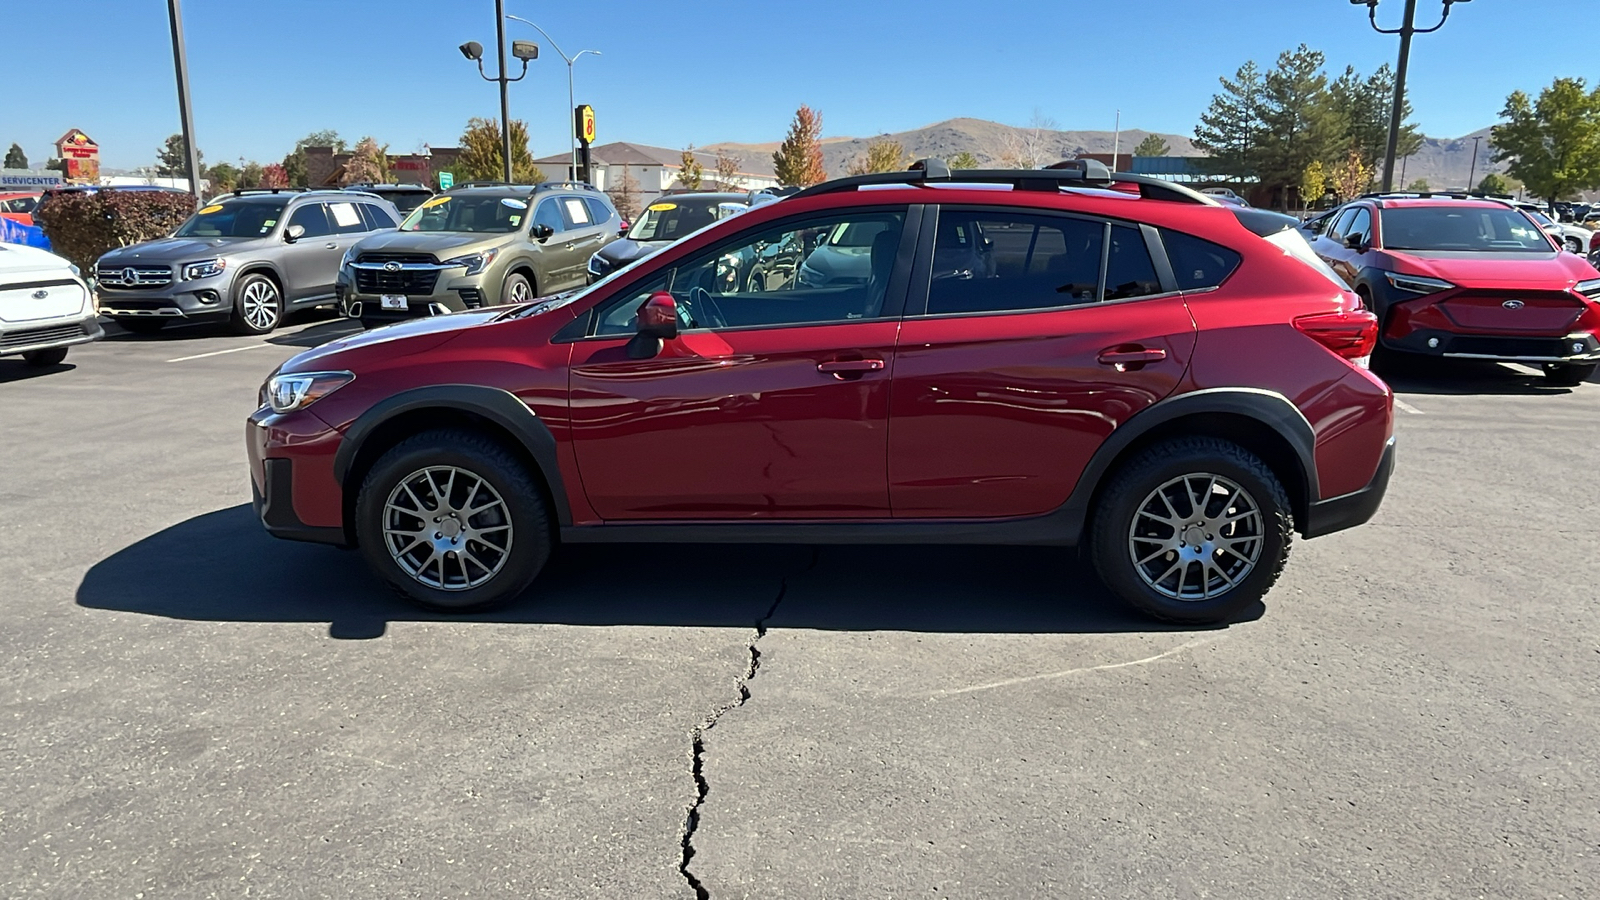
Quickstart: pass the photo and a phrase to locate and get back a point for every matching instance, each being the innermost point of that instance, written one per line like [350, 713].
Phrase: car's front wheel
[44, 358]
[257, 305]
[1192, 531]
[452, 520]
[516, 289]
[1569, 374]
[1574, 245]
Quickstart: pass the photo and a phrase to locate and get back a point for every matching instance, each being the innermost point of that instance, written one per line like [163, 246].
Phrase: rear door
[559, 257]
[1034, 335]
[585, 234]
[311, 263]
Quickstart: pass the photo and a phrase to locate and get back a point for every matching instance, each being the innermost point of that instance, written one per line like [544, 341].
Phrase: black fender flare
[494, 404]
[1270, 408]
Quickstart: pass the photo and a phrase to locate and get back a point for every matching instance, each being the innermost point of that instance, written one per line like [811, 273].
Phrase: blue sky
[267, 72]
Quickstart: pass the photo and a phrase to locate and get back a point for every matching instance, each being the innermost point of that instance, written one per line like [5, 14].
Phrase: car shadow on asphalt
[16, 369]
[222, 567]
[320, 322]
[1463, 377]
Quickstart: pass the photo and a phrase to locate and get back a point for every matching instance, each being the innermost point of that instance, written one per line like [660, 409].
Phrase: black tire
[1112, 537]
[529, 538]
[1568, 374]
[257, 305]
[1573, 245]
[44, 358]
[141, 326]
[516, 289]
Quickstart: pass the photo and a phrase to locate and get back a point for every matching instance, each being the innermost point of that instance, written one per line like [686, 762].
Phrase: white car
[45, 307]
[1576, 238]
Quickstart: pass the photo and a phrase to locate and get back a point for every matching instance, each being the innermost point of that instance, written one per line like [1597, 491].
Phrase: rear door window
[377, 217]
[1198, 264]
[1129, 271]
[346, 219]
[598, 211]
[1009, 262]
[575, 212]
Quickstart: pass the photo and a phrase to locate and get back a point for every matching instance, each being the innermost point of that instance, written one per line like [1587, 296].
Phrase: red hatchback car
[1058, 357]
[1466, 277]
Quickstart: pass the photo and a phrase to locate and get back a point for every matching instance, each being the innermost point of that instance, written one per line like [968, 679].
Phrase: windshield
[475, 214]
[672, 219]
[1470, 228]
[236, 219]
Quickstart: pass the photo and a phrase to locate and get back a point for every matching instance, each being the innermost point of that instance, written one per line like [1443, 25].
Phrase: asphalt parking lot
[192, 709]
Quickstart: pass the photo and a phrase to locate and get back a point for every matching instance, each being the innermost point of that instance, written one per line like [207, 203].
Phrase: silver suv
[247, 258]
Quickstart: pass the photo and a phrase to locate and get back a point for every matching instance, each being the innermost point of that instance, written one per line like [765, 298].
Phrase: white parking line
[220, 352]
[1408, 407]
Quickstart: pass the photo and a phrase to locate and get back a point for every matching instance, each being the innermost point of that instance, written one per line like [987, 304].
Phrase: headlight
[598, 266]
[1590, 288]
[287, 393]
[1417, 284]
[348, 258]
[76, 272]
[204, 269]
[475, 263]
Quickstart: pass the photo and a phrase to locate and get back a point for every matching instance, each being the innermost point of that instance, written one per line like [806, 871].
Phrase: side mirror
[293, 233]
[657, 321]
[1356, 242]
[541, 233]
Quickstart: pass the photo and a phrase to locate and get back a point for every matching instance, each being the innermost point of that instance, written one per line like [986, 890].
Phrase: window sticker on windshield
[267, 225]
[437, 201]
[515, 221]
[216, 207]
[513, 202]
[663, 207]
[344, 214]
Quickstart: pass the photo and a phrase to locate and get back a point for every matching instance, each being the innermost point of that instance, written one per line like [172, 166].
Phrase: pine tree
[799, 160]
[1298, 123]
[1365, 105]
[1229, 129]
[965, 159]
[172, 159]
[1152, 145]
[691, 173]
[481, 157]
[15, 158]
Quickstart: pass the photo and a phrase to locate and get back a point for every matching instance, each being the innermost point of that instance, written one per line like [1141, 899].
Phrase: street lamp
[572, 125]
[1405, 31]
[524, 51]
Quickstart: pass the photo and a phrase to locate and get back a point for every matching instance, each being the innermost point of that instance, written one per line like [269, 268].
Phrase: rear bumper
[1354, 508]
[26, 337]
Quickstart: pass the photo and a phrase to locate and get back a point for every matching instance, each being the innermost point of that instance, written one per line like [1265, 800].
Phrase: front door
[312, 262]
[771, 403]
[1028, 355]
[559, 252]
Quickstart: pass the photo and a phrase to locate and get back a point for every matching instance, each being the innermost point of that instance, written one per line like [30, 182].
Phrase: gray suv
[247, 258]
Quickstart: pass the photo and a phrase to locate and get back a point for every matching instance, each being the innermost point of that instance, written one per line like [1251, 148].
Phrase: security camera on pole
[523, 50]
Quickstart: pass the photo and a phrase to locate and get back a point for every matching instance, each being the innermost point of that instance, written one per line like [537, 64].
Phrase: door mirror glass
[657, 321]
[293, 233]
[542, 232]
[1356, 242]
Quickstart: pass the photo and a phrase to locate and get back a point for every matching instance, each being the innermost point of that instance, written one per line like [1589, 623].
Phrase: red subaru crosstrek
[1058, 357]
[1467, 277]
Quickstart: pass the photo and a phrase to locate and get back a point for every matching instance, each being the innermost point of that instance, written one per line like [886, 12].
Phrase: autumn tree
[481, 157]
[883, 155]
[1552, 144]
[1030, 146]
[727, 172]
[172, 159]
[294, 164]
[274, 176]
[1313, 183]
[1152, 145]
[369, 163]
[15, 158]
[1352, 176]
[798, 161]
[625, 196]
[965, 159]
[690, 173]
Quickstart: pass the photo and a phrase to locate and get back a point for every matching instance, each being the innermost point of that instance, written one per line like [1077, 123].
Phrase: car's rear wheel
[516, 289]
[1192, 531]
[257, 305]
[141, 326]
[1569, 374]
[451, 520]
[41, 358]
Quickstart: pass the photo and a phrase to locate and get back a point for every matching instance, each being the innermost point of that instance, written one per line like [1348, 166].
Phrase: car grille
[471, 298]
[377, 281]
[381, 257]
[30, 336]
[133, 277]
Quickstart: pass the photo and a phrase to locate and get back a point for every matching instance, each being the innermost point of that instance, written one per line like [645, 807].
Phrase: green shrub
[84, 226]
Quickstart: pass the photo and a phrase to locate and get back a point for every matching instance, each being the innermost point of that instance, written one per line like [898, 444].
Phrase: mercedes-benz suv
[246, 258]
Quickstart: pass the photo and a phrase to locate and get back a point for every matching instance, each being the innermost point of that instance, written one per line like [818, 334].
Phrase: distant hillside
[1445, 162]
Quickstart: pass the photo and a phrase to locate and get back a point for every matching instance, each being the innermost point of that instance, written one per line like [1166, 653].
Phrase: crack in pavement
[697, 736]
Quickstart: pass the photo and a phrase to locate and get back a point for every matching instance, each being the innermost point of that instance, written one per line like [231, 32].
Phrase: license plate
[392, 301]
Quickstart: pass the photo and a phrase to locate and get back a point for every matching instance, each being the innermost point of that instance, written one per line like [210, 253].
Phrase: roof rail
[1068, 173]
[240, 192]
[1438, 195]
[564, 185]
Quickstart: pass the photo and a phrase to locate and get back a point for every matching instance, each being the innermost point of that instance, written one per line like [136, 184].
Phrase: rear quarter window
[1196, 263]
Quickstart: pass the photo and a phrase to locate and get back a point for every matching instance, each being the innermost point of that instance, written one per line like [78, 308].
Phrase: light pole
[523, 50]
[572, 125]
[1474, 170]
[180, 62]
[1405, 31]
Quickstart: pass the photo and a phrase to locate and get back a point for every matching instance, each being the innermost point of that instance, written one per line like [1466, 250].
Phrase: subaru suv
[247, 259]
[1173, 384]
[476, 245]
[1467, 277]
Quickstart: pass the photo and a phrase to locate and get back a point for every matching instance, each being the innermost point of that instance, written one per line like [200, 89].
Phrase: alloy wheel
[520, 292]
[261, 305]
[447, 528]
[1196, 537]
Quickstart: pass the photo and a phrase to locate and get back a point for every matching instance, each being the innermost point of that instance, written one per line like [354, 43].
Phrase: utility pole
[1116, 141]
[1474, 170]
[180, 62]
[505, 105]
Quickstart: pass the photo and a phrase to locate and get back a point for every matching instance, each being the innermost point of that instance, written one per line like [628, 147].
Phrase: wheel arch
[491, 411]
[261, 267]
[1264, 422]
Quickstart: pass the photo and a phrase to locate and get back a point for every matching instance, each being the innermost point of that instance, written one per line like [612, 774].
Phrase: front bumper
[1577, 347]
[449, 293]
[26, 337]
[293, 489]
[1354, 508]
[193, 301]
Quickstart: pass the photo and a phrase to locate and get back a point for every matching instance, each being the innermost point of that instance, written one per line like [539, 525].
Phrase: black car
[405, 197]
[671, 217]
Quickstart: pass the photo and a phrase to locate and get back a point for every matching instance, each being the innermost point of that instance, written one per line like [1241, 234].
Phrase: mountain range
[1442, 162]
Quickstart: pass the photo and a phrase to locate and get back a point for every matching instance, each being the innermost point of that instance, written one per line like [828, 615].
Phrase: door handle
[332, 246]
[1131, 357]
[849, 368]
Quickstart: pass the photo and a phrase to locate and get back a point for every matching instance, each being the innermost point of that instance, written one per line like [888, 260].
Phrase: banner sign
[30, 179]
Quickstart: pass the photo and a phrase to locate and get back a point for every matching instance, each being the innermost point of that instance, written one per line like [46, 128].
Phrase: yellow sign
[662, 207]
[437, 201]
[216, 207]
[586, 123]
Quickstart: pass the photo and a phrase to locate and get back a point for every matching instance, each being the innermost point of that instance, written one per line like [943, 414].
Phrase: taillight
[1594, 242]
[1351, 335]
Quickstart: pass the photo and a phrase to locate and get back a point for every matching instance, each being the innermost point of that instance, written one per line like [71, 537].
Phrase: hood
[442, 244]
[389, 342]
[1531, 271]
[177, 249]
[17, 258]
[624, 251]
